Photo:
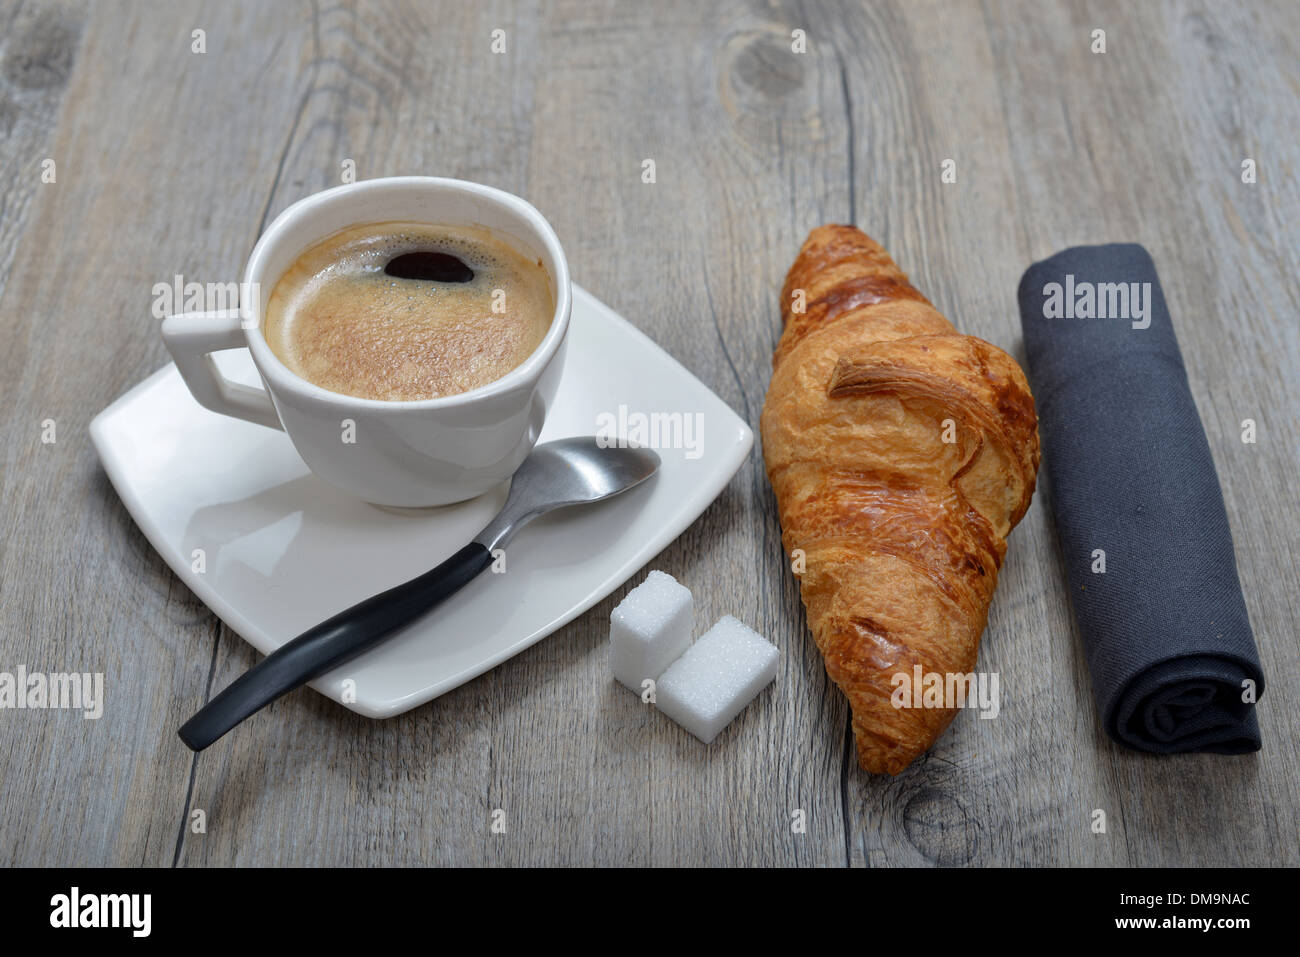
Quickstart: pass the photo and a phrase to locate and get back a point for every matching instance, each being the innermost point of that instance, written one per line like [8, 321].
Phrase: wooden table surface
[171, 161]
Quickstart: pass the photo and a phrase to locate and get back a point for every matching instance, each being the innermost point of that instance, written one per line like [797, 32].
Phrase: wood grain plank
[82, 588]
[932, 99]
[1130, 145]
[38, 46]
[737, 126]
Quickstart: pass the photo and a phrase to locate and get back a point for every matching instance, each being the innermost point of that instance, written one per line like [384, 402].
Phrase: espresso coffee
[406, 311]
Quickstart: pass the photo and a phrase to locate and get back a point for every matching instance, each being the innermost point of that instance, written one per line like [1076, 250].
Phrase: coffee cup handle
[191, 338]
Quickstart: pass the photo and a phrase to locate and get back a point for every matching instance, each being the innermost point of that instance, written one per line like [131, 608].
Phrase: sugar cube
[651, 626]
[717, 676]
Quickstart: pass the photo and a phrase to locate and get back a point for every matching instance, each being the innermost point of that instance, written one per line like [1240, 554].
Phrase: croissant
[901, 453]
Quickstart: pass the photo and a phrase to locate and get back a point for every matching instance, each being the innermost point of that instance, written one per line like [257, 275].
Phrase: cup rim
[268, 363]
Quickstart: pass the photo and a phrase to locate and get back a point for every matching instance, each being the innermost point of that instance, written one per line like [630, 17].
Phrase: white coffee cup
[424, 452]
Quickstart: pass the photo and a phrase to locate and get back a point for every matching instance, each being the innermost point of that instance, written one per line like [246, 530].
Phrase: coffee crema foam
[336, 319]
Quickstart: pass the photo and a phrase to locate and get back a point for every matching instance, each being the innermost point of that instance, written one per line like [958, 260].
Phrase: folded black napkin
[1165, 628]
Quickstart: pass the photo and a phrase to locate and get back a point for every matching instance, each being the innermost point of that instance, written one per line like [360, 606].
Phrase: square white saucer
[273, 550]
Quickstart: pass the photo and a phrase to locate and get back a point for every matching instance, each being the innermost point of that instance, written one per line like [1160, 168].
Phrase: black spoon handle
[331, 643]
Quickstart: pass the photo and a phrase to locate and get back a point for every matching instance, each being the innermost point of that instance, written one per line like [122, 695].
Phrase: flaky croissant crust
[902, 453]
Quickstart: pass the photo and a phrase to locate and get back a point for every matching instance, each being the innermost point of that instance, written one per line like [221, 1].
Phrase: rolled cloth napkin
[1164, 627]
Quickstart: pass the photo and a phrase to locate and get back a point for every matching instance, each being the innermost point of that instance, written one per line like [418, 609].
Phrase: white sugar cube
[651, 626]
[717, 676]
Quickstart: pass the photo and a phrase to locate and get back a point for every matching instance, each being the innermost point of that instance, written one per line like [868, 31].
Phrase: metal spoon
[556, 474]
